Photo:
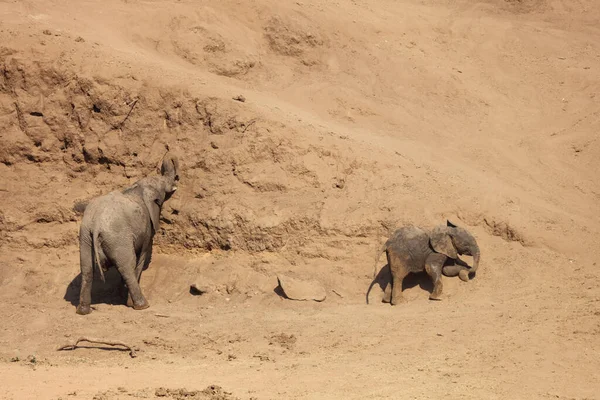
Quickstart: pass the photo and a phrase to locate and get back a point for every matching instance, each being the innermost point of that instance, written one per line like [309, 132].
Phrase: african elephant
[412, 249]
[117, 230]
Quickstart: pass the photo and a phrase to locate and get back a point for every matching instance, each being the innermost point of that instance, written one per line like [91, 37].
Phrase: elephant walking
[117, 229]
[412, 249]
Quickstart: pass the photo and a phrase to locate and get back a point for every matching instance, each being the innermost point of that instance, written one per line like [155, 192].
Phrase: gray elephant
[117, 230]
[412, 249]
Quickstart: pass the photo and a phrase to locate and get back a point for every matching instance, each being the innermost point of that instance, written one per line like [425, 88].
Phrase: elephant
[117, 230]
[412, 249]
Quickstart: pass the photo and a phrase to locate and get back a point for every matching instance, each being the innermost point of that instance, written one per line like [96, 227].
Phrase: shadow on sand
[112, 291]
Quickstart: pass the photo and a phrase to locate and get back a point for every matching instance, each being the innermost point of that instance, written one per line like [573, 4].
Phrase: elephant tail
[96, 262]
[377, 257]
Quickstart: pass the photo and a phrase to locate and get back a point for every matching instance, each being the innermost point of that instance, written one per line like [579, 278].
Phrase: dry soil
[358, 117]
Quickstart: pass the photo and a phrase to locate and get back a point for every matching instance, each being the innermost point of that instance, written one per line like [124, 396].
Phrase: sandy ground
[359, 117]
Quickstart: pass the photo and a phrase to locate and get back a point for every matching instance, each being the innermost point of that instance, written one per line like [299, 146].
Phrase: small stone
[230, 289]
[79, 39]
[240, 98]
[161, 392]
[339, 183]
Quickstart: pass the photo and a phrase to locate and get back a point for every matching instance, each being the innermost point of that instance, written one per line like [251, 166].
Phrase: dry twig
[120, 125]
[98, 341]
[249, 125]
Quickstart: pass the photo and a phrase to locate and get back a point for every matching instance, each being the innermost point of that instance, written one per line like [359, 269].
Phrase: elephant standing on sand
[411, 249]
[117, 230]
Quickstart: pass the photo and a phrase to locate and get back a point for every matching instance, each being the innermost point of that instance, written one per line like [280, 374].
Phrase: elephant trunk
[476, 257]
[465, 274]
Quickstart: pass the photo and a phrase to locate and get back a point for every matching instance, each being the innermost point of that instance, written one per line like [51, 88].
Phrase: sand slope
[358, 117]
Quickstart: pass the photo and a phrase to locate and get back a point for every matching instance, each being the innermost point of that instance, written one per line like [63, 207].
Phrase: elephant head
[170, 175]
[451, 241]
[155, 190]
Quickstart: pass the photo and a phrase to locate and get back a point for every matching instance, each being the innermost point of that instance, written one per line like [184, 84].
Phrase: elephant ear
[152, 200]
[170, 167]
[441, 242]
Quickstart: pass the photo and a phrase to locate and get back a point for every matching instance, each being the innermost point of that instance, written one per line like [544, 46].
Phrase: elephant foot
[437, 292]
[464, 275]
[397, 301]
[142, 306]
[83, 309]
[436, 297]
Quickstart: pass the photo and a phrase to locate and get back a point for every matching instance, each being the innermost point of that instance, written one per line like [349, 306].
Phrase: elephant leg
[387, 293]
[138, 274]
[129, 300]
[126, 263]
[397, 296]
[87, 275]
[123, 291]
[399, 271]
[141, 264]
[451, 270]
[433, 266]
[454, 270]
[144, 260]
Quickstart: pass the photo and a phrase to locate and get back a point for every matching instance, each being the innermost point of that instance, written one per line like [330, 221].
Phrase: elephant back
[411, 244]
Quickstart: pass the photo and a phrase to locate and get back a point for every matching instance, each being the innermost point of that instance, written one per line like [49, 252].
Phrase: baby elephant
[117, 230]
[411, 249]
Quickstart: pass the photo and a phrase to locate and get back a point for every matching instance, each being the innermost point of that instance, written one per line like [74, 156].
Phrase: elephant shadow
[421, 279]
[112, 291]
